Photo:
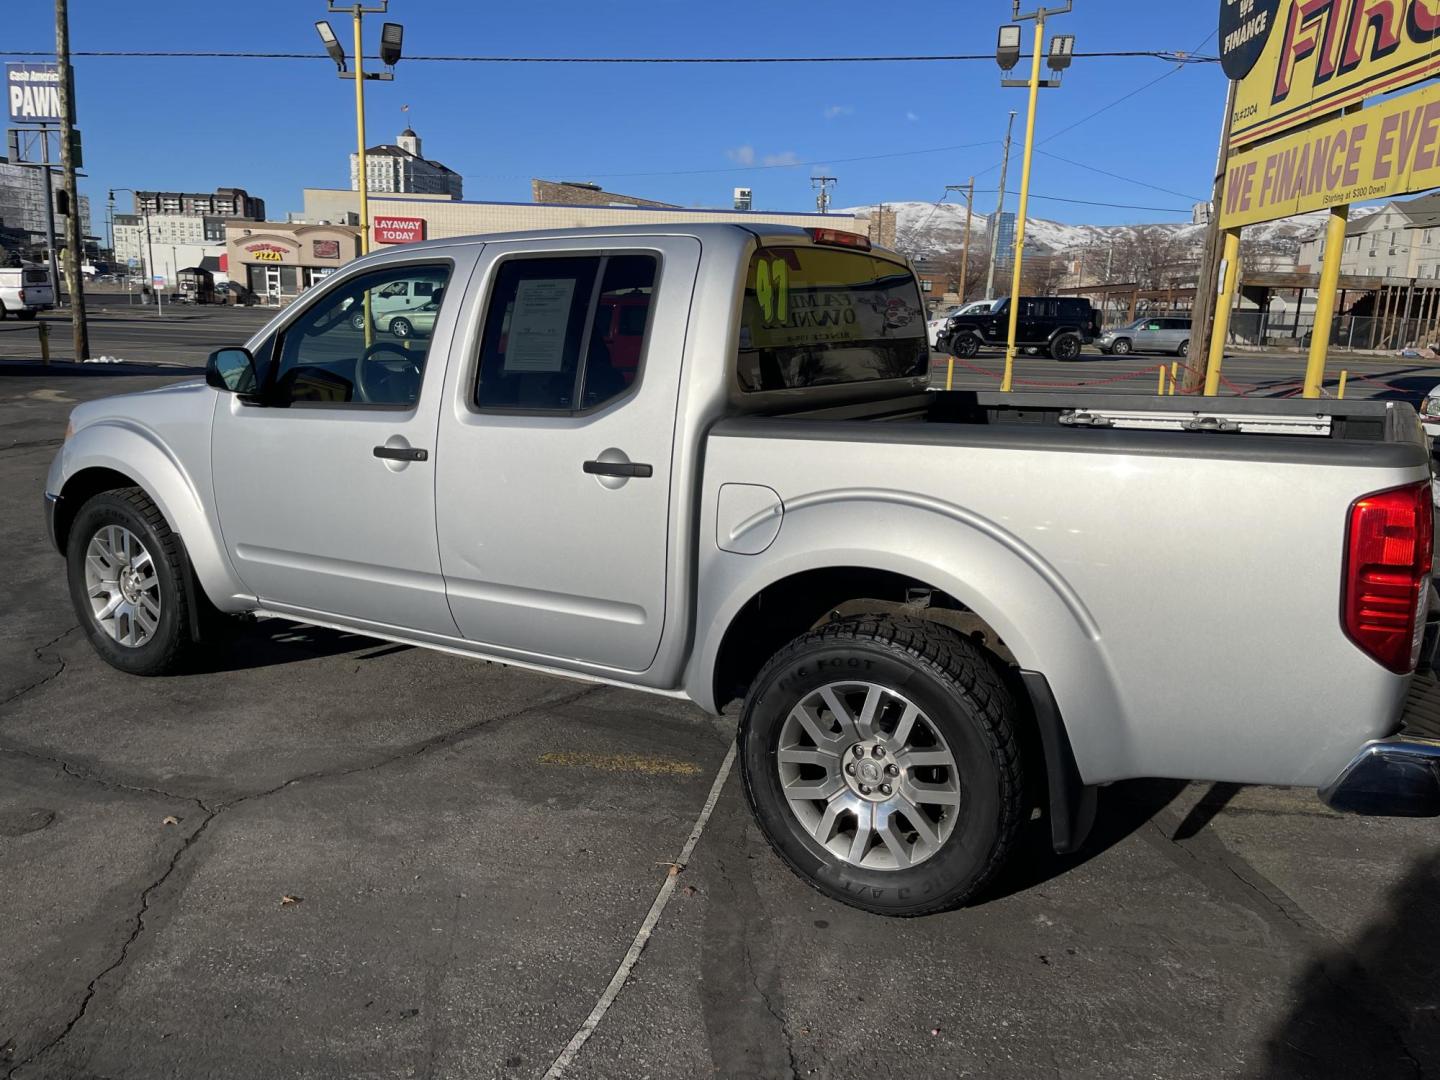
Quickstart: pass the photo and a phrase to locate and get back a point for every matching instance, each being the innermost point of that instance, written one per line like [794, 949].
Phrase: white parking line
[667, 890]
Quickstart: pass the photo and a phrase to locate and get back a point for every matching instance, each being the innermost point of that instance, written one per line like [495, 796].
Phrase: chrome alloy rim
[123, 586]
[868, 776]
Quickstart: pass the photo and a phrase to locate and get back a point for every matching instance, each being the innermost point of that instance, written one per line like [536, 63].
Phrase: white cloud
[832, 111]
[742, 155]
[910, 116]
[789, 157]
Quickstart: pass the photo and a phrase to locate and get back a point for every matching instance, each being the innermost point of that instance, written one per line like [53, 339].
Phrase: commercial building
[22, 207]
[576, 193]
[439, 217]
[222, 203]
[279, 260]
[400, 168]
[1005, 249]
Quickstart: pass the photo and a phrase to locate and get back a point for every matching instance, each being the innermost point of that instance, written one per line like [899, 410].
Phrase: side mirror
[232, 370]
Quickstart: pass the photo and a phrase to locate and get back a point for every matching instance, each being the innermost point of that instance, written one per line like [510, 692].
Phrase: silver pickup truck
[702, 462]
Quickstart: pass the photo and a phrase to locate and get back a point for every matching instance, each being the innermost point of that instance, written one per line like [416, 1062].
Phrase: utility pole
[823, 184]
[969, 193]
[1202, 313]
[999, 211]
[75, 255]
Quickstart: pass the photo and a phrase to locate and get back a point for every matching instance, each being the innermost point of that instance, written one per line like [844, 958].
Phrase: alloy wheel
[868, 776]
[123, 586]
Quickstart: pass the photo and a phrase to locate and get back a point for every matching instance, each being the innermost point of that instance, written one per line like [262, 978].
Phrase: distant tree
[1153, 258]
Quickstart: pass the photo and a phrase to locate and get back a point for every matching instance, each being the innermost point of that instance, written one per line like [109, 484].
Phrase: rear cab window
[823, 316]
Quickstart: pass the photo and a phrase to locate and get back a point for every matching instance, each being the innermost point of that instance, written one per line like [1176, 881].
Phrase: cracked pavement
[459, 903]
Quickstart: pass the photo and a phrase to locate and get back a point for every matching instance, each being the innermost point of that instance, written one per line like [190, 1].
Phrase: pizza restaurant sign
[266, 253]
[1299, 61]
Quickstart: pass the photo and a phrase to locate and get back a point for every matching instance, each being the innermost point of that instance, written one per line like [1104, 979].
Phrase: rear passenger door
[553, 477]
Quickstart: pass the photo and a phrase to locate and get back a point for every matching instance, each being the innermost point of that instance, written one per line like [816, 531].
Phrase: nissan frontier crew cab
[941, 612]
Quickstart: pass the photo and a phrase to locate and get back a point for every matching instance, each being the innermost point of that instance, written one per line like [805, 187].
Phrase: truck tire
[880, 759]
[965, 345]
[1184, 350]
[129, 583]
[1066, 346]
[26, 313]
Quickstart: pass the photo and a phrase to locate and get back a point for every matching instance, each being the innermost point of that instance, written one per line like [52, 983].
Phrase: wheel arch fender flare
[978, 562]
[134, 451]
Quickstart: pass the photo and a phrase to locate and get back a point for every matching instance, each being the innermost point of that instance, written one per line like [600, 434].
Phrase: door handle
[618, 468]
[402, 453]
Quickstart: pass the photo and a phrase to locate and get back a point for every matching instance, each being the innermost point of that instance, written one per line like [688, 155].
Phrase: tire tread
[950, 657]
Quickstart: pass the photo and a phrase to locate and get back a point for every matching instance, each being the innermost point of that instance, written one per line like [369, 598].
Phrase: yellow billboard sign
[1389, 150]
[1298, 61]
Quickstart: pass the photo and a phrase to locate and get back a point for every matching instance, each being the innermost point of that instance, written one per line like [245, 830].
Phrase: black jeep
[1058, 324]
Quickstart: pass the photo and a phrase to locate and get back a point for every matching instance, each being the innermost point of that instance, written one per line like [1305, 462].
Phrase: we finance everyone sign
[1381, 152]
[32, 92]
[1298, 61]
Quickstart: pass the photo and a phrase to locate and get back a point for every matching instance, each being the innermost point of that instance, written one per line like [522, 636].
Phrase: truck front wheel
[965, 345]
[880, 759]
[128, 583]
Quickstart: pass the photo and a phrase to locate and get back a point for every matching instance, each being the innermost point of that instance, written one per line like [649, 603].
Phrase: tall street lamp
[392, 37]
[1007, 55]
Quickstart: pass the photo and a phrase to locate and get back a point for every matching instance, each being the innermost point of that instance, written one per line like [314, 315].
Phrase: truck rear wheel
[880, 759]
[26, 313]
[129, 583]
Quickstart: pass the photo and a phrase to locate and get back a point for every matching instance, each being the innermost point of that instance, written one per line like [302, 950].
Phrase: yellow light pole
[1325, 301]
[1062, 49]
[1224, 304]
[391, 39]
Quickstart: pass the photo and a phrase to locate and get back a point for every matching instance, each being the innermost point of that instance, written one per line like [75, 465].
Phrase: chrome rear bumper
[1395, 777]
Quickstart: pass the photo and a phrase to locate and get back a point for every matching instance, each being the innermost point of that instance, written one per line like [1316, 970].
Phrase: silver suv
[1167, 335]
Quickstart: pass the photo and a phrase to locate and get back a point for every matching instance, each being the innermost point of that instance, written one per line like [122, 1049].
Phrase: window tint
[396, 288]
[329, 354]
[545, 314]
[826, 317]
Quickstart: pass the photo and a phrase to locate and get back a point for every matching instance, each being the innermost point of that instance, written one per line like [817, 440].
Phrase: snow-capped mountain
[931, 229]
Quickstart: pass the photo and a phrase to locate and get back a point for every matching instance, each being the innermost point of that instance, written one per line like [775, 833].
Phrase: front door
[326, 492]
[553, 475]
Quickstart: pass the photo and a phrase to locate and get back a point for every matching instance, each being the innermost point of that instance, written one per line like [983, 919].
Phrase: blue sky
[682, 134]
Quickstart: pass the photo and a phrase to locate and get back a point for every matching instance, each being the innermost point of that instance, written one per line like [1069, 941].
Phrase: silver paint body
[1184, 610]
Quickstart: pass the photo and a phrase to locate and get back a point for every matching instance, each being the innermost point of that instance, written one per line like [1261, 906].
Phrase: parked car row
[1057, 325]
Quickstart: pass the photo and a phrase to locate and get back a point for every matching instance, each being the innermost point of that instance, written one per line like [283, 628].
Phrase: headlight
[1430, 407]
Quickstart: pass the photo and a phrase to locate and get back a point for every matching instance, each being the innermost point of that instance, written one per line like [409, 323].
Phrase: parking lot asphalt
[328, 856]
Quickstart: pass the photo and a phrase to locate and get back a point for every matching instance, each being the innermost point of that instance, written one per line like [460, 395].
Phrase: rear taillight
[1388, 552]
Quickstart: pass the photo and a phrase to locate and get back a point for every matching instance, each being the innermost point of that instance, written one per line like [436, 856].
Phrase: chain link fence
[1358, 332]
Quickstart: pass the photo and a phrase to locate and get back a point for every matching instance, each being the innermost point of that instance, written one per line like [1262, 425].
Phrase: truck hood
[178, 402]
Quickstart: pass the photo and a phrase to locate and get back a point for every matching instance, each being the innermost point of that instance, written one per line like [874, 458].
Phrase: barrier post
[44, 330]
[950, 373]
[1344, 375]
[1160, 386]
[1174, 372]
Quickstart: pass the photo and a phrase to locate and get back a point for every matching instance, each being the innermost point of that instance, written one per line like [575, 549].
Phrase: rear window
[37, 275]
[829, 317]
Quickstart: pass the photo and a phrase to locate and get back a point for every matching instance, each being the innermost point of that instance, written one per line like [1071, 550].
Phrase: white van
[25, 290]
[395, 299]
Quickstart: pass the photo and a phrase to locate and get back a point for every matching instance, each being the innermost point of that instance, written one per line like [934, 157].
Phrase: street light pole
[360, 131]
[391, 37]
[1062, 50]
[74, 243]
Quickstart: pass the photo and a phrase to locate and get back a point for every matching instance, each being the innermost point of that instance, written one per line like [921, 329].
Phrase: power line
[1117, 176]
[1169, 56]
[827, 162]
